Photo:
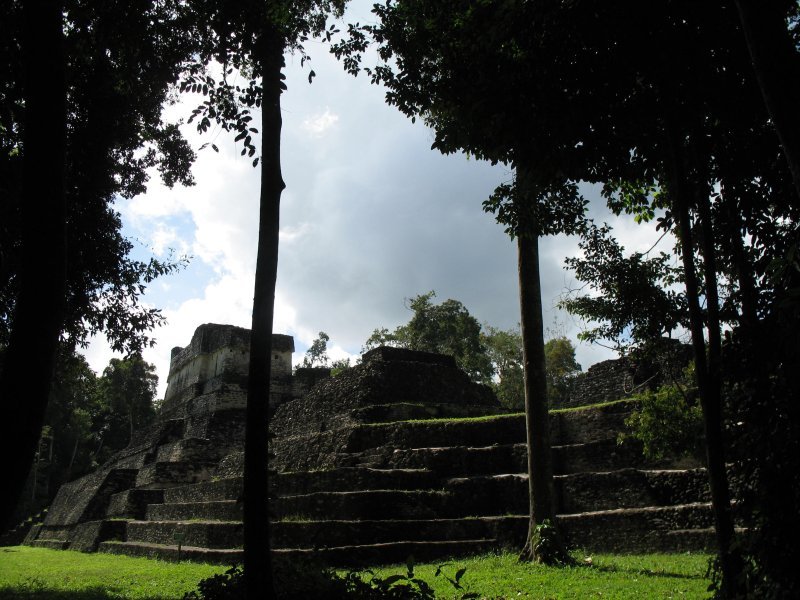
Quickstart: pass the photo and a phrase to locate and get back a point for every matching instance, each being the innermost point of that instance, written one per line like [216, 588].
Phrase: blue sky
[370, 216]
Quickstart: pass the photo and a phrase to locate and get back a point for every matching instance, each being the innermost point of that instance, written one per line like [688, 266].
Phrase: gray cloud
[371, 215]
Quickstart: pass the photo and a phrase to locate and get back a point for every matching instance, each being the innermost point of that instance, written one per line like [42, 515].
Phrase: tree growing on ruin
[444, 328]
[317, 353]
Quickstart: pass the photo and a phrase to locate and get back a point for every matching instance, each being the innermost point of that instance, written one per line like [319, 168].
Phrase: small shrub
[668, 422]
[298, 580]
[222, 586]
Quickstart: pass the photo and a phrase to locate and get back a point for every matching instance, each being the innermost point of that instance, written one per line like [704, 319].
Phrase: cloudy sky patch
[370, 216]
[319, 124]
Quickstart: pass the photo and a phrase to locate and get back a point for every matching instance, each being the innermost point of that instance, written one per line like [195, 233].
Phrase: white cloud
[368, 218]
[319, 123]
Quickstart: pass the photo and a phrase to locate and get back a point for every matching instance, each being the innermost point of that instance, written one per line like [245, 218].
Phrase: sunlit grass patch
[600, 576]
[28, 573]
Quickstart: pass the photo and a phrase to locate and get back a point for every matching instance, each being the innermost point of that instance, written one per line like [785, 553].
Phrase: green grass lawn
[28, 573]
[601, 576]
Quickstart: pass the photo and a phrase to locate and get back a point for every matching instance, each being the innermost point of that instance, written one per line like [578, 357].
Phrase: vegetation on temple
[487, 354]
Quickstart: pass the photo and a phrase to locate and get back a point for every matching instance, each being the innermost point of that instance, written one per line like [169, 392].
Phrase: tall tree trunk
[541, 493]
[777, 68]
[706, 365]
[257, 559]
[38, 312]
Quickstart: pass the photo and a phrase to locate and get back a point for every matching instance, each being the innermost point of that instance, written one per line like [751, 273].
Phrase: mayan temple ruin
[383, 461]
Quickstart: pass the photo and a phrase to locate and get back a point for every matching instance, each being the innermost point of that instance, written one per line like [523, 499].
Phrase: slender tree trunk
[257, 559]
[706, 367]
[777, 68]
[38, 312]
[537, 419]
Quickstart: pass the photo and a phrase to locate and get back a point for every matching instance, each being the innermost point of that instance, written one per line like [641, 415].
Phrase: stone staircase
[453, 487]
[401, 455]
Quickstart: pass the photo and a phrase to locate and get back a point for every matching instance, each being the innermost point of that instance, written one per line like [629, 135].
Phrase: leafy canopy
[124, 59]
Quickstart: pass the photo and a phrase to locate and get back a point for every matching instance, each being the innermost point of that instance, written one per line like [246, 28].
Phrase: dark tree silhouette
[30, 356]
[76, 135]
[776, 63]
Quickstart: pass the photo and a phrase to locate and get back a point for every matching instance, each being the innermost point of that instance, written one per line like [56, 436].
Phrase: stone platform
[401, 455]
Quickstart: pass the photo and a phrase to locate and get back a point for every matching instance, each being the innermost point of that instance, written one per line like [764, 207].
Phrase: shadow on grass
[39, 592]
[642, 572]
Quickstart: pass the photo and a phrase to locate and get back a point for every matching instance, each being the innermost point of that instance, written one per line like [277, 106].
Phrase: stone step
[609, 455]
[368, 505]
[201, 534]
[160, 432]
[218, 510]
[390, 553]
[223, 427]
[407, 411]
[168, 474]
[316, 534]
[354, 478]
[223, 556]
[206, 491]
[630, 488]
[650, 529]
[333, 533]
[589, 423]
[689, 540]
[50, 544]
[47, 532]
[582, 492]
[456, 460]
[503, 429]
[301, 482]
[343, 556]
[663, 529]
[132, 504]
[490, 494]
[598, 456]
[190, 449]
[571, 426]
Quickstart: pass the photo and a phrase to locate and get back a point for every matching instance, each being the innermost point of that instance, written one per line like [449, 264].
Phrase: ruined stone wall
[215, 364]
[202, 420]
[623, 377]
[385, 377]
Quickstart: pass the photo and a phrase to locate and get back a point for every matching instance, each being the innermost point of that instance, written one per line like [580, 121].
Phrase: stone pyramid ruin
[400, 455]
